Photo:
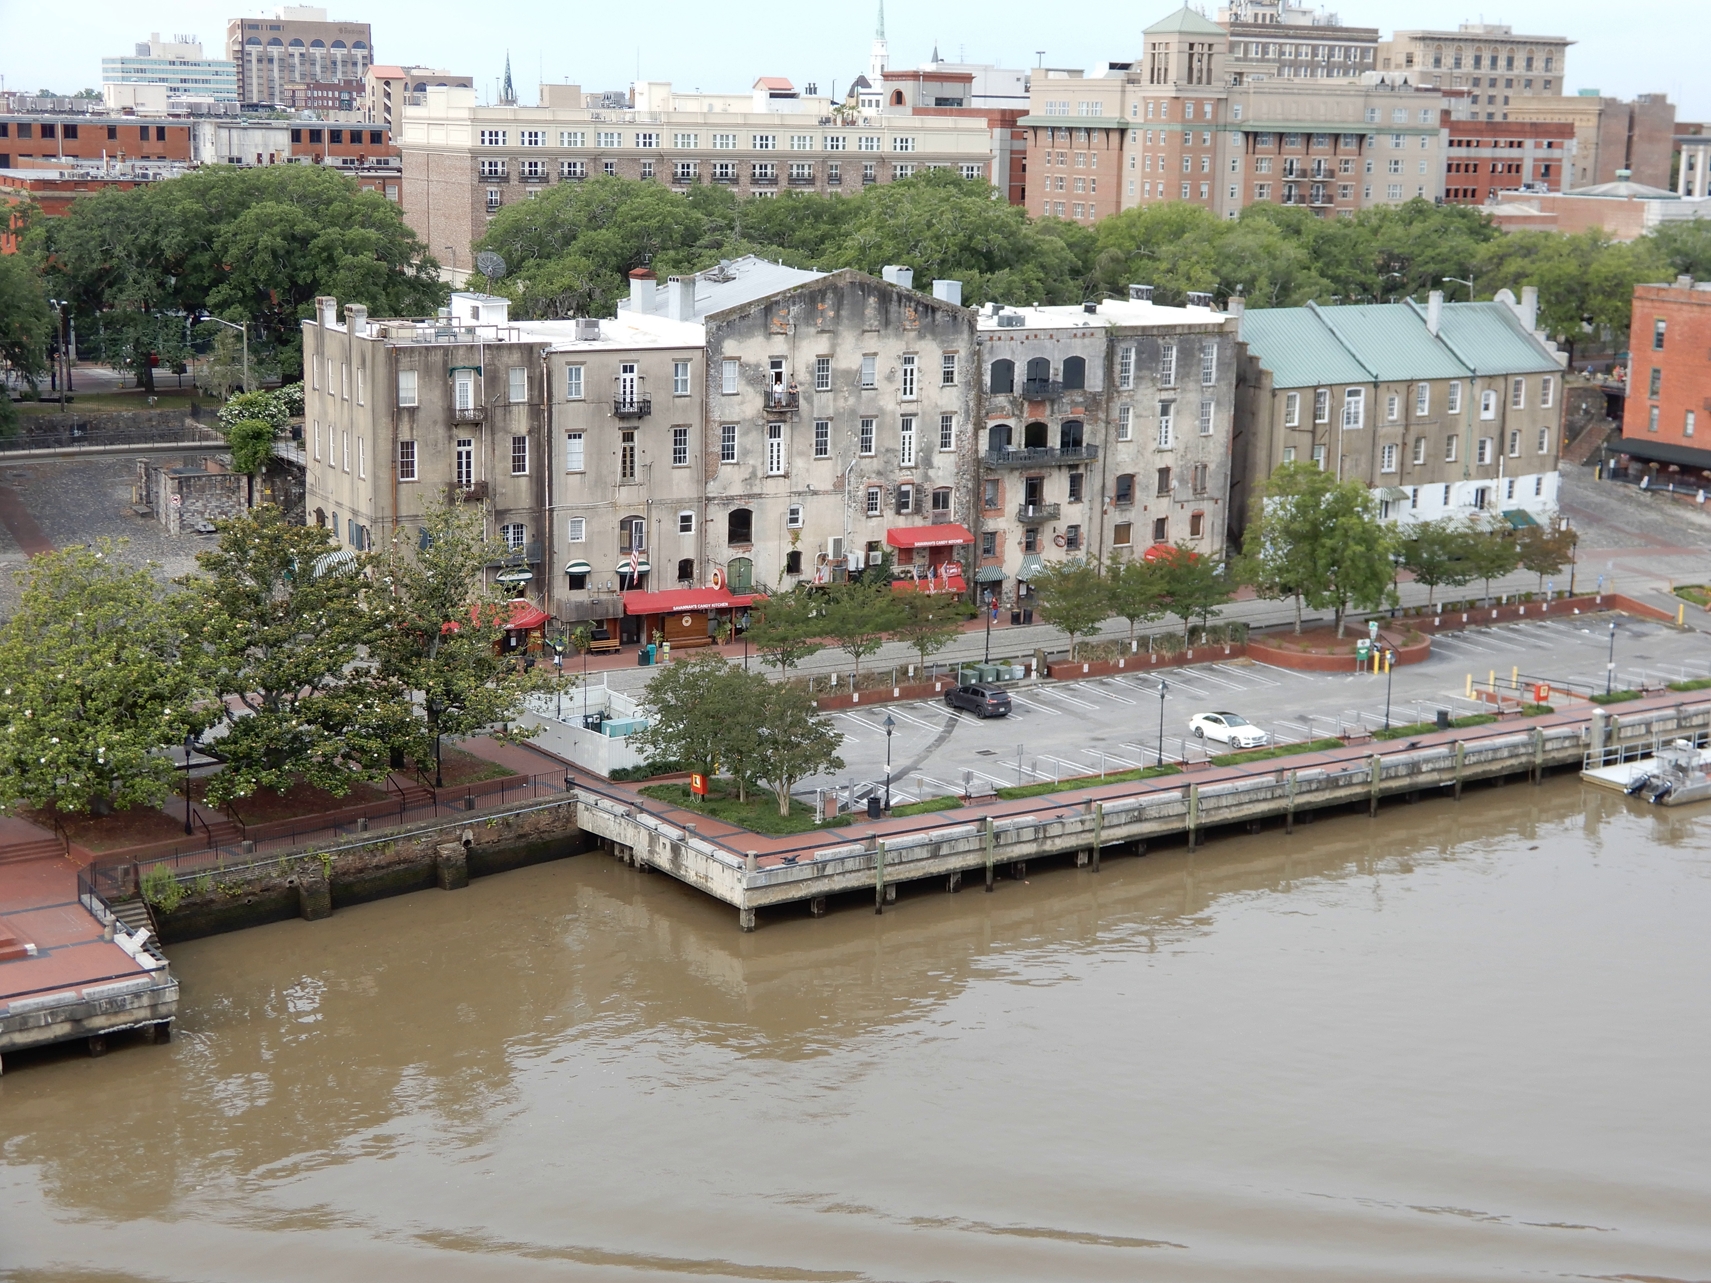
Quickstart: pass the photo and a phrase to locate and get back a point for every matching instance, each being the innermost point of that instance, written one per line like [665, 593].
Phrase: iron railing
[1017, 458]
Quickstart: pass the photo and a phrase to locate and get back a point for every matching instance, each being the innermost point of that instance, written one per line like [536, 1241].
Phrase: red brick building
[55, 139]
[1669, 375]
[52, 189]
[1485, 157]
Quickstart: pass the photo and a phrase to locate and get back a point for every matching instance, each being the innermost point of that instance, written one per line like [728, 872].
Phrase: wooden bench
[602, 645]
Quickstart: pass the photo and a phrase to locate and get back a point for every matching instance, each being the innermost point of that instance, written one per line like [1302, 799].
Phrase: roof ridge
[1441, 337]
[1337, 334]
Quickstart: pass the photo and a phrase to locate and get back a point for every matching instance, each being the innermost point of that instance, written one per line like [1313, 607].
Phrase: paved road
[1062, 729]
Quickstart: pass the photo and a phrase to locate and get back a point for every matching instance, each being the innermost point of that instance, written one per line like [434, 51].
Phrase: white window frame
[865, 442]
[906, 441]
[870, 370]
[1126, 367]
[1453, 406]
[907, 383]
[1518, 394]
[1166, 425]
[731, 376]
[1206, 406]
[517, 384]
[727, 443]
[1208, 366]
[407, 460]
[1167, 365]
[1487, 450]
[1354, 408]
[523, 440]
[875, 505]
[407, 388]
[1291, 409]
[1387, 458]
[947, 432]
[680, 446]
[1488, 404]
[680, 378]
[1125, 422]
[822, 438]
[1547, 392]
[576, 530]
[1422, 400]
[947, 369]
[775, 455]
[573, 383]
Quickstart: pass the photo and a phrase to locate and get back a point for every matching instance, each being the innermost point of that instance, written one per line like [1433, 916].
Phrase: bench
[979, 789]
[603, 643]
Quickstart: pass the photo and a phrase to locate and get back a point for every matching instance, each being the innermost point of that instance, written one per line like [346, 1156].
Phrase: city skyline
[599, 50]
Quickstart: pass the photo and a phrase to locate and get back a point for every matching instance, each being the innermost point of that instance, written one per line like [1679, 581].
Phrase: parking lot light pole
[1610, 665]
[889, 727]
[1389, 680]
[1163, 686]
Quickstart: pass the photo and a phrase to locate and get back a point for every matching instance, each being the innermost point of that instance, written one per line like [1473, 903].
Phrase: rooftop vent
[1198, 298]
[1140, 294]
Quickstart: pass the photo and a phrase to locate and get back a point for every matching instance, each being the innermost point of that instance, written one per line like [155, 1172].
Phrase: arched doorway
[1034, 436]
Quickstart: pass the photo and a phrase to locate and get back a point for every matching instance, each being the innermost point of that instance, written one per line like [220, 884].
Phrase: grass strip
[1087, 781]
[949, 803]
[1426, 728]
[1693, 684]
[1616, 697]
[1276, 750]
[759, 814]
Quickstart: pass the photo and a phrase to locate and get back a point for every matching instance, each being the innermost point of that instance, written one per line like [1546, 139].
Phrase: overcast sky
[1624, 49]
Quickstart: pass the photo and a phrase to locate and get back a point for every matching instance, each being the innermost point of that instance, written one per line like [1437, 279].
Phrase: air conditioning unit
[1010, 320]
[874, 556]
[1140, 294]
[835, 548]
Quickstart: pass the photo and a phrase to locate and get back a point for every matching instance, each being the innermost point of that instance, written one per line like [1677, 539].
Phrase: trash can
[1015, 616]
[1028, 615]
[873, 807]
[1443, 719]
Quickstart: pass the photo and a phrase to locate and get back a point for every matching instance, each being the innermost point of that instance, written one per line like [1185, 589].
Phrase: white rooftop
[1128, 313]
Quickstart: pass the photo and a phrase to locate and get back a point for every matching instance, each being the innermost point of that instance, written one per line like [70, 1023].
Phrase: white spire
[880, 58]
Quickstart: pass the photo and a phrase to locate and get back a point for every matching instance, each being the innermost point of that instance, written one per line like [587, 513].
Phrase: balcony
[1036, 512]
[1046, 455]
[534, 178]
[782, 400]
[724, 178]
[1036, 389]
[801, 180]
[469, 414]
[764, 180]
[474, 492]
[636, 406]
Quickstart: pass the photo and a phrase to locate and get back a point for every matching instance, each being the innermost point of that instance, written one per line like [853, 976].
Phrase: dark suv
[982, 701]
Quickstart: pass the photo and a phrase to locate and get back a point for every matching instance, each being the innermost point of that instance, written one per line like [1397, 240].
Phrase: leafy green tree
[1074, 596]
[26, 322]
[1136, 592]
[700, 714]
[1585, 280]
[252, 445]
[1492, 553]
[1192, 586]
[930, 622]
[435, 630]
[1438, 554]
[859, 615]
[793, 740]
[92, 686]
[1544, 551]
[1686, 246]
[277, 636]
[1270, 560]
[789, 628]
[1328, 536]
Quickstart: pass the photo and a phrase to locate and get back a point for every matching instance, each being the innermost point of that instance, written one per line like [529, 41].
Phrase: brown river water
[1462, 1041]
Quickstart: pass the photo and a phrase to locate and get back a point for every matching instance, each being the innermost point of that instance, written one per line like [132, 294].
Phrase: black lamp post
[436, 706]
[1610, 665]
[558, 663]
[991, 605]
[1389, 678]
[889, 727]
[189, 744]
[1163, 686]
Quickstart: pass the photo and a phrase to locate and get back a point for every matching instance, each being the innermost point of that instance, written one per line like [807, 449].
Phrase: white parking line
[1105, 690]
[1068, 698]
[930, 726]
[1038, 708]
[1249, 674]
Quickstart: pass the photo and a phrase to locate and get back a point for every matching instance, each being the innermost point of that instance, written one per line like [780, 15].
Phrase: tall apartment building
[1442, 409]
[759, 421]
[298, 54]
[179, 65]
[1106, 430]
[388, 90]
[1669, 378]
[1174, 128]
[463, 162]
[1489, 57]
[1272, 38]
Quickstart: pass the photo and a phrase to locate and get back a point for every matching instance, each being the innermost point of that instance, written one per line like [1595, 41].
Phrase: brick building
[53, 140]
[1669, 375]
[52, 188]
[1484, 157]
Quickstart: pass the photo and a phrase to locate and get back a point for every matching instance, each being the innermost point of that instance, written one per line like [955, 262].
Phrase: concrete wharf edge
[751, 871]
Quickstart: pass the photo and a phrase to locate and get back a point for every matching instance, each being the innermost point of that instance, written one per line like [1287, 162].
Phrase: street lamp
[436, 706]
[189, 744]
[1389, 678]
[991, 609]
[1163, 686]
[558, 663]
[889, 727]
[243, 329]
[1610, 665]
[1467, 281]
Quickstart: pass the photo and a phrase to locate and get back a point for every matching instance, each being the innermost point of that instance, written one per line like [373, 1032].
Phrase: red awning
[525, 615]
[677, 600]
[928, 536]
[1167, 552]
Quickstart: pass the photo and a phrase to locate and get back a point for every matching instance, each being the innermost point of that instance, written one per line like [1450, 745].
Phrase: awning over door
[677, 600]
[525, 615]
[1519, 518]
[946, 536]
[1392, 493]
[1031, 566]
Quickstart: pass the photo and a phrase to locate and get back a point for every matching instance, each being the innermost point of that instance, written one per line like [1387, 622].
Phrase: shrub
[160, 888]
[646, 771]
[291, 399]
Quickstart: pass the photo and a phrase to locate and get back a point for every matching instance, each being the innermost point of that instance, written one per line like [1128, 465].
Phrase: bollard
[314, 895]
[451, 866]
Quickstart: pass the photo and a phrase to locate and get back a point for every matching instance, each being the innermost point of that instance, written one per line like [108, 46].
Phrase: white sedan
[1228, 728]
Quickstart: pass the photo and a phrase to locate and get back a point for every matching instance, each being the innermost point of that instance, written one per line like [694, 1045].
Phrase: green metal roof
[1185, 20]
[1315, 346]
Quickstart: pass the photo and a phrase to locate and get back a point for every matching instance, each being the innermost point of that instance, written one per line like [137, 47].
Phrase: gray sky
[1639, 47]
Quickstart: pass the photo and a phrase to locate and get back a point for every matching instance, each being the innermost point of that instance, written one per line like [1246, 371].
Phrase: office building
[1273, 38]
[178, 65]
[388, 90]
[1485, 157]
[298, 58]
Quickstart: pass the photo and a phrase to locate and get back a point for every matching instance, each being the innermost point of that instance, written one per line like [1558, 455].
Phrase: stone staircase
[135, 915]
[1588, 443]
[40, 848]
[220, 831]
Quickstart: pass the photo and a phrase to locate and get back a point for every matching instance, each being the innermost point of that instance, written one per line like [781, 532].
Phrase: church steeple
[508, 91]
[880, 58]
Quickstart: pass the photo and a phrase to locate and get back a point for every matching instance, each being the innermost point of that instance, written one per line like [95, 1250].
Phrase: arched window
[897, 98]
[793, 562]
[320, 516]
[1034, 436]
[739, 527]
[1039, 375]
[1070, 435]
[633, 534]
[998, 436]
[686, 570]
[1003, 376]
[1075, 372]
[740, 574]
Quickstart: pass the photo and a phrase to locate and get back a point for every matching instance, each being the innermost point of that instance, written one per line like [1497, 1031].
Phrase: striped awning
[1392, 493]
[1031, 566]
[1519, 518]
[989, 574]
[579, 568]
[340, 561]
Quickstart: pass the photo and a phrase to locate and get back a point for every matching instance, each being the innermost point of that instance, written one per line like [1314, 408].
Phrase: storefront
[526, 629]
[926, 559]
[685, 617]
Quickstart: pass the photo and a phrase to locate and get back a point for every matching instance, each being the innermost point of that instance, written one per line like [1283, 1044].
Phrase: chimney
[948, 292]
[1237, 306]
[327, 308]
[1434, 312]
[680, 298]
[902, 277]
[643, 285]
[1530, 307]
[356, 319]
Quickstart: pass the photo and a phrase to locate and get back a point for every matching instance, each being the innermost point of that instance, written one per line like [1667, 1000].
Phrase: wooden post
[1461, 752]
[989, 853]
[1377, 774]
[1193, 812]
[1289, 813]
[1538, 755]
[879, 877]
[1098, 829]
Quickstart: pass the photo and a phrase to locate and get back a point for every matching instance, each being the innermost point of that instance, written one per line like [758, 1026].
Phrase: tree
[929, 622]
[793, 741]
[1437, 553]
[277, 624]
[1491, 554]
[859, 614]
[92, 686]
[26, 323]
[700, 715]
[787, 630]
[1073, 595]
[1544, 552]
[1192, 586]
[1325, 541]
[1270, 544]
[1135, 592]
[436, 632]
[252, 445]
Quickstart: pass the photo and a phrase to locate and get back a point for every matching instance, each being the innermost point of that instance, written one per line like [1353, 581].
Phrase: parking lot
[1062, 729]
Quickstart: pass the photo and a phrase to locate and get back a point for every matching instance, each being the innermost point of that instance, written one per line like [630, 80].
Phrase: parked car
[1228, 728]
[982, 701]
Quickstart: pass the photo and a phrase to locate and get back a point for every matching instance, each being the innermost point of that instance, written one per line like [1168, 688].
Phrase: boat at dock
[1676, 774]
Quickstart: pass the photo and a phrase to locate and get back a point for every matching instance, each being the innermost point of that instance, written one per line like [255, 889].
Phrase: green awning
[989, 574]
[579, 568]
[1392, 493]
[1519, 518]
[1031, 566]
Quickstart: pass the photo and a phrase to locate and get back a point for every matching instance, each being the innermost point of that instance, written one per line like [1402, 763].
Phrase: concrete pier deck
[752, 871]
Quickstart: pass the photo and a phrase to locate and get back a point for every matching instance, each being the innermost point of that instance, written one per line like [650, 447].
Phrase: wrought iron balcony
[636, 406]
[801, 180]
[764, 180]
[469, 414]
[474, 492]
[782, 400]
[1037, 388]
[1039, 512]
[1040, 455]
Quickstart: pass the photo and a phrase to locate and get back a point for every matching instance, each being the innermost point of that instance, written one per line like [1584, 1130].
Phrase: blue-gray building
[179, 65]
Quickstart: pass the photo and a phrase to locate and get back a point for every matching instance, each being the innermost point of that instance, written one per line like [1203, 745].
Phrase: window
[867, 426]
[1075, 486]
[514, 535]
[1003, 377]
[1289, 454]
[1514, 443]
[1547, 392]
[685, 524]
[989, 543]
[519, 456]
[576, 531]
[1198, 476]
[727, 443]
[632, 537]
[465, 462]
[1319, 457]
[1387, 459]
[1419, 450]
[905, 498]
[947, 370]
[867, 142]
[1488, 404]
[1687, 427]
[1392, 407]
[1074, 373]
[822, 374]
[1166, 424]
[572, 138]
[1123, 535]
[775, 449]
[904, 142]
[492, 137]
[1454, 406]
[1450, 448]
[1354, 407]
[1292, 410]
[1208, 366]
[344, 381]
[822, 438]
[908, 389]
[793, 517]
[1125, 367]
[517, 384]
[729, 368]
[406, 387]
[1196, 524]
[1422, 399]
[1518, 394]
[573, 383]
[1167, 365]
[573, 456]
[1486, 449]
[835, 142]
[1656, 385]
[607, 138]
[765, 142]
[1163, 483]
[1658, 328]
[1322, 405]
[1652, 421]
[947, 432]
[1161, 530]
[1125, 423]
[1206, 418]
[875, 498]
[942, 501]
[990, 494]
[680, 378]
[680, 447]
[870, 371]
[1124, 492]
[906, 441]
[626, 456]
